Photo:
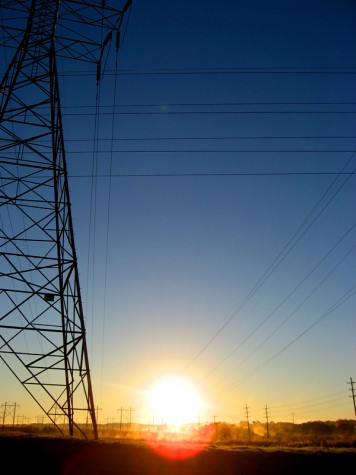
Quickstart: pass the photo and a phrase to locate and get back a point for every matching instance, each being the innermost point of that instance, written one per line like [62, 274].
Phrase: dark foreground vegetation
[45, 453]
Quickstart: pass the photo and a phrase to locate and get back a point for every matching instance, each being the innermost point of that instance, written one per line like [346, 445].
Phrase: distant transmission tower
[42, 330]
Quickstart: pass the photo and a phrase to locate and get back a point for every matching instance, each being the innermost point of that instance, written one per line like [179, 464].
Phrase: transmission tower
[42, 328]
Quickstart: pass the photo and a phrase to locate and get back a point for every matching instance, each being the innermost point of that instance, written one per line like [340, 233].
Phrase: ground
[69, 456]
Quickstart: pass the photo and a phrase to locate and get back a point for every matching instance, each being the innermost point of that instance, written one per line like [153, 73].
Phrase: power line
[322, 406]
[81, 152]
[236, 137]
[222, 71]
[315, 401]
[307, 404]
[224, 112]
[344, 298]
[284, 300]
[208, 104]
[296, 237]
[183, 175]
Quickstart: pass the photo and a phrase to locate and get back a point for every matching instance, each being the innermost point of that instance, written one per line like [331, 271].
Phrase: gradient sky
[217, 240]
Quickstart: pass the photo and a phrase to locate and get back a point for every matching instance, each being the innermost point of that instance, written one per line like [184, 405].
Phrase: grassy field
[70, 456]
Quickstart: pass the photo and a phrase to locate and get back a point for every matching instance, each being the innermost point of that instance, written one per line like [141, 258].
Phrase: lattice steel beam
[42, 329]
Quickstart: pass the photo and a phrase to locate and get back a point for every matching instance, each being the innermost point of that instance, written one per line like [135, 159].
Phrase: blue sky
[219, 278]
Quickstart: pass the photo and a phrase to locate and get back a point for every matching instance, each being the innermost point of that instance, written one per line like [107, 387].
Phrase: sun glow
[175, 402]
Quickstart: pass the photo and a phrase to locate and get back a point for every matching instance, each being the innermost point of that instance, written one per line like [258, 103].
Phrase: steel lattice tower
[42, 328]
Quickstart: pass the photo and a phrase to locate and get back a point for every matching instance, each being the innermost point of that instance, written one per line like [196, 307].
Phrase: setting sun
[174, 401]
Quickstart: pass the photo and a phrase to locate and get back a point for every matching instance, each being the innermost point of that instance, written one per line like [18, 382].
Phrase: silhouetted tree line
[341, 432]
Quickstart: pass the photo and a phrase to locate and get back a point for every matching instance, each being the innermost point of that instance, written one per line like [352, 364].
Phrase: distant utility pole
[20, 419]
[248, 423]
[267, 426]
[40, 421]
[9, 409]
[108, 421]
[97, 409]
[122, 411]
[3, 415]
[131, 411]
[351, 383]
